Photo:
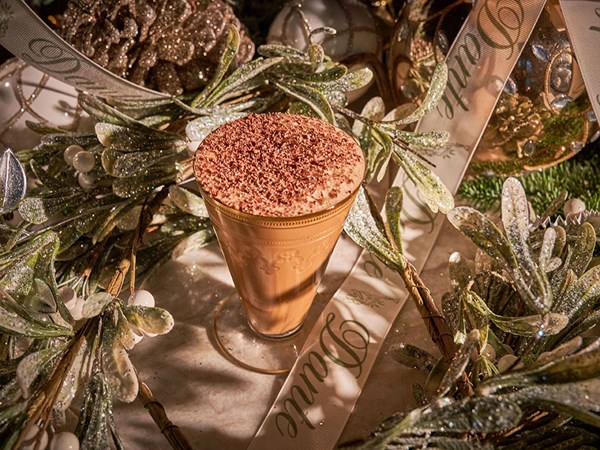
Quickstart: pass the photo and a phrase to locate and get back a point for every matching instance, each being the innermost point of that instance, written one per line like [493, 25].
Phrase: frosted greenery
[65, 325]
[525, 370]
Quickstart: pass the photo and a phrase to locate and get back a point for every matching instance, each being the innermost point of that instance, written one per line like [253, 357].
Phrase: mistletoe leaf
[582, 295]
[533, 325]
[531, 282]
[433, 96]
[187, 201]
[393, 211]
[198, 129]
[95, 304]
[31, 366]
[363, 229]
[103, 112]
[424, 139]
[281, 51]
[484, 234]
[119, 369]
[246, 73]
[126, 139]
[78, 371]
[413, 357]
[144, 184]
[474, 414]
[459, 363]
[583, 248]
[231, 48]
[436, 194]
[16, 321]
[13, 182]
[148, 319]
[311, 97]
[581, 366]
[93, 426]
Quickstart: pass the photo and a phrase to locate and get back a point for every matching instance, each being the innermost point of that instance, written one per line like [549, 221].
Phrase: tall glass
[276, 263]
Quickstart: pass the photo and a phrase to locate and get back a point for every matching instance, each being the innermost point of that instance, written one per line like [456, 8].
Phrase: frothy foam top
[279, 164]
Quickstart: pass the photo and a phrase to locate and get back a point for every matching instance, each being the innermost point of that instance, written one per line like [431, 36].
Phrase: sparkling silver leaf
[149, 319]
[433, 96]
[187, 201]
[32, 365]
[435, 193]
[474, 414]
[13, 182]
[95, 304]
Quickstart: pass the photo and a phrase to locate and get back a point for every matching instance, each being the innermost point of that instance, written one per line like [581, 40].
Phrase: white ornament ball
[84, 161]
[142, 298]
[354, 23]
[64, 440]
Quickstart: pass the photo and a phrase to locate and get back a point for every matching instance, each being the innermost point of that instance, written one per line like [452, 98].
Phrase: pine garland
[580, 178]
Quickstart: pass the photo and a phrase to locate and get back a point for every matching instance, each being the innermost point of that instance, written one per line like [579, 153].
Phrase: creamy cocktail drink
[278, 188]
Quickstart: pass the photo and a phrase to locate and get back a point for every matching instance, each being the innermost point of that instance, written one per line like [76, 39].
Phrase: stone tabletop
[218, 405]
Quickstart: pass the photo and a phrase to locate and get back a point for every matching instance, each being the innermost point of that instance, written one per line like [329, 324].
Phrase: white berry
[84, 161]
[573, 206]
[75, 307]
[142, 298]
[489, 352]
[29, 443]
[86, 180]
[65, 440]
[70, 153]
[67, 294]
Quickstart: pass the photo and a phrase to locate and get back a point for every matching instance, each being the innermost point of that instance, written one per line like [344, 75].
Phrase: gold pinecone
[169, 45]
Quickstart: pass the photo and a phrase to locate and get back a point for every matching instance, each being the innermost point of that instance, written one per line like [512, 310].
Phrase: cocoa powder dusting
[279, 164]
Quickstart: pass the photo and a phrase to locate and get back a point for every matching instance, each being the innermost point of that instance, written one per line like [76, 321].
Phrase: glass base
[247, 348]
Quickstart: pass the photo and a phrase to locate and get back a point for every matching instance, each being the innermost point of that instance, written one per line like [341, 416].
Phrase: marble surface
[218, 405]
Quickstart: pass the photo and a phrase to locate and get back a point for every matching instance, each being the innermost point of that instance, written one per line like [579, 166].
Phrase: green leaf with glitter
[362, 229]
[310, 96]
[483, 233]
[188, 201]
[435, 194]
[95, 304]
[149, 319]
[231, 47]
[432, 98]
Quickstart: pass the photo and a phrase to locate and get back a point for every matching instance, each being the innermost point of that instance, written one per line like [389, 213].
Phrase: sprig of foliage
[581, 178]
[133, 210]
[520, 318]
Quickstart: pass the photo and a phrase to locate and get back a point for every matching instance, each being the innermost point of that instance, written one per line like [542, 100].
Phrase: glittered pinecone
[169, 45]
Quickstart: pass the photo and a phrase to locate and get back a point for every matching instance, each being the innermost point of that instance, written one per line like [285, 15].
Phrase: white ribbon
[582, 18]
[25, 35]
[319, 394]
